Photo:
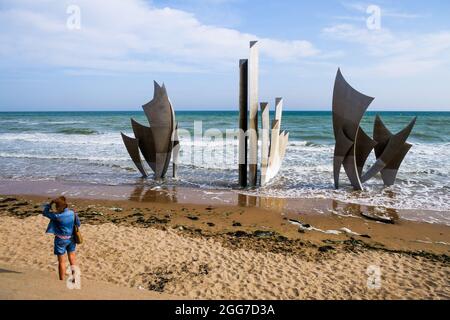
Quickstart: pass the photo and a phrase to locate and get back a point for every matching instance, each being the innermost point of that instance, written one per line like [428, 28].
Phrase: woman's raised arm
[48, 213]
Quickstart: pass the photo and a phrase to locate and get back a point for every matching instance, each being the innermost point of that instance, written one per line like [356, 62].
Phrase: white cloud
[402, 15]
[351, 18]
[386, 12]
[357, 6]
[361, 8]
[129, 36]
[392, 54]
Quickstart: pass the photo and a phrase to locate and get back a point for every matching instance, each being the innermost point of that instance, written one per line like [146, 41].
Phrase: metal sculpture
[253, 119]
[243, 121]
[273, 143]
[175, 151]
[275, 149]
[265, 140]
[349, 107]
[132, 146]
[157, 142]
[353, 146]
[389, 151]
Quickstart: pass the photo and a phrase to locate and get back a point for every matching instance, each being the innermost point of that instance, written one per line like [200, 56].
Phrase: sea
[86, 147]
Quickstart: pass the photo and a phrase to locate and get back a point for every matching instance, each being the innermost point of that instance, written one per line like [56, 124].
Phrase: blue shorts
[63, 245]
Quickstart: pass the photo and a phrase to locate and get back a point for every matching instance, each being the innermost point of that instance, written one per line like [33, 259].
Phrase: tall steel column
[243, 121]
[253, 123]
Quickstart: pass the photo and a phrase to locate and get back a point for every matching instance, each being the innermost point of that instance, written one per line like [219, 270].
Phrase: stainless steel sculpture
[175, 151]
[353, 145]
[349, 107]
[243, 121]
[253, 121]
[157, 142]
[273, 143]
[275, 148]
[389, 151]
[132, 146]
[265, 136]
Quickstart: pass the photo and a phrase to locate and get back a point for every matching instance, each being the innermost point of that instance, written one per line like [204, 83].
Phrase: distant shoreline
[145, 194]
[196, 196]
[287, 110]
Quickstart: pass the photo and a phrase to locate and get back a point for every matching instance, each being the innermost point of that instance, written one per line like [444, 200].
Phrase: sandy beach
[198, 251]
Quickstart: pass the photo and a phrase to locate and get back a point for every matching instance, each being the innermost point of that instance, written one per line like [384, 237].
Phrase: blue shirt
[61, 224]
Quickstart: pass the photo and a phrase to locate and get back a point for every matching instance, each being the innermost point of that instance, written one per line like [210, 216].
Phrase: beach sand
[31, 284]
[232, 252]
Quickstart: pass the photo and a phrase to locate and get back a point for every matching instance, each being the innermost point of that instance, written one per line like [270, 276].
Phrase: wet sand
[141, 192]
[218, 251]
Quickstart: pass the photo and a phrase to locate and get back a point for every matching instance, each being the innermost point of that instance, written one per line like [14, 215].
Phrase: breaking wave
[83, 131]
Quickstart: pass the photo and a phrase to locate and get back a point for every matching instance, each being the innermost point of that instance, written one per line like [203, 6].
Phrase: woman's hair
[60, 204]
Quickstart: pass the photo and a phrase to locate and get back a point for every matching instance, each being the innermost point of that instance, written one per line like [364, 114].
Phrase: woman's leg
[61, 266]
[73, 267]
[72, 258]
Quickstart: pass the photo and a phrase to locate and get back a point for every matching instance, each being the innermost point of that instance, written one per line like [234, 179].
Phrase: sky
[105, 54]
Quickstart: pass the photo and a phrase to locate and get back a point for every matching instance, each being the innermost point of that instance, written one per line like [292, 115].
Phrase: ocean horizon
[324, 110]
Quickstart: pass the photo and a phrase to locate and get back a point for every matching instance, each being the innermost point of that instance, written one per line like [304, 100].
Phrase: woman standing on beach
[62, 225]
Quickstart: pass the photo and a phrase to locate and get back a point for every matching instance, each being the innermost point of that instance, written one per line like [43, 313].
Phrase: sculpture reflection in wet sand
[157, 142]
[353, 145]
[273, 143]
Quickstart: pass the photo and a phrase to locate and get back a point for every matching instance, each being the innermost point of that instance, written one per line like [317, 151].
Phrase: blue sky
[194, 46]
